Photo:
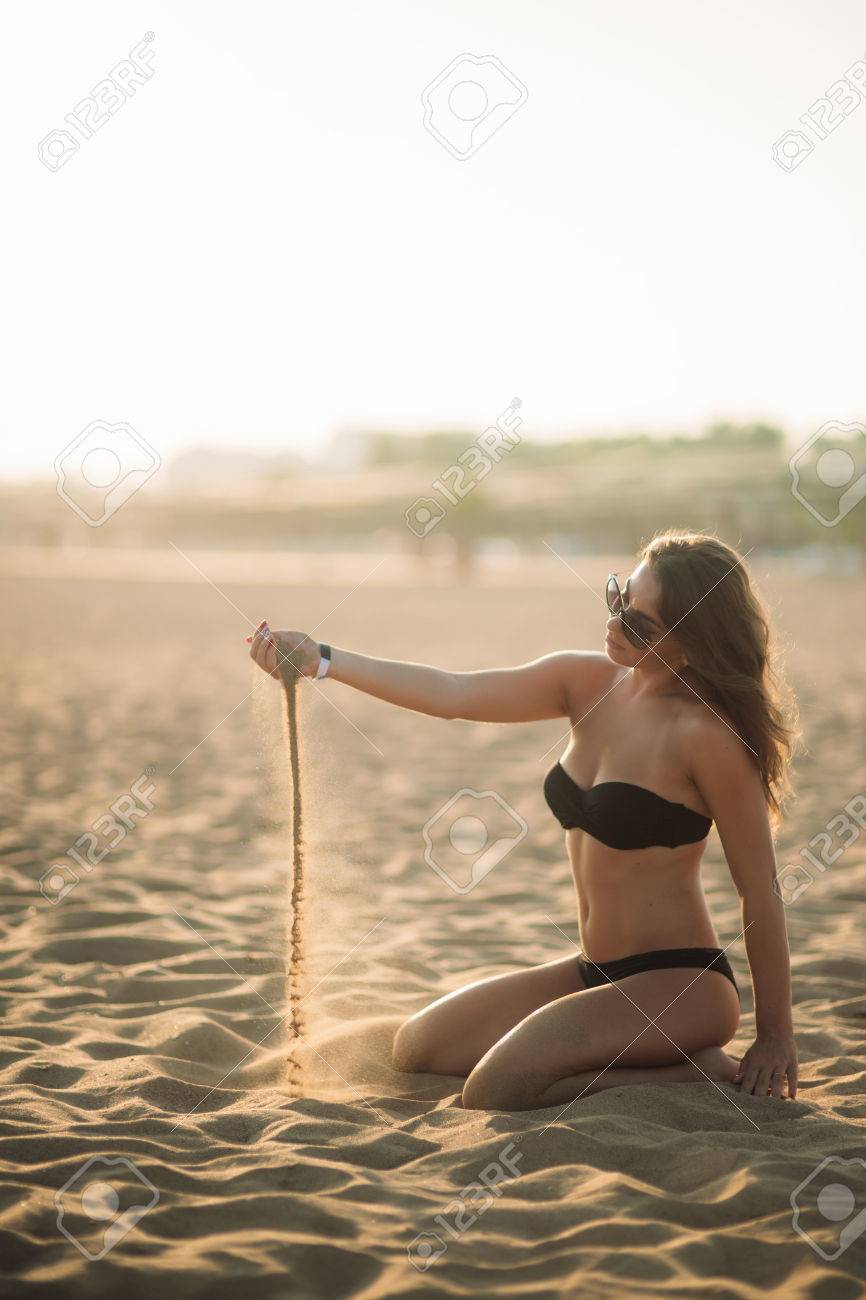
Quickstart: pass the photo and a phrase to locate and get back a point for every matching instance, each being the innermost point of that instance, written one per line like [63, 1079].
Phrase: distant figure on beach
[677, 724]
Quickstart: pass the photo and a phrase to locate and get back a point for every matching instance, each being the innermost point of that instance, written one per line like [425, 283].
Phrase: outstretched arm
[727, 776]
[531, 692]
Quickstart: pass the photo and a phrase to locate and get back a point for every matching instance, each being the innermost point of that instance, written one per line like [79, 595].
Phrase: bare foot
[715, 1063]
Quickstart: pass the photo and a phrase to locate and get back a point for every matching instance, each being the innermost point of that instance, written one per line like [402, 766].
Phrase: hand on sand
[266, 646]
[770, 1060]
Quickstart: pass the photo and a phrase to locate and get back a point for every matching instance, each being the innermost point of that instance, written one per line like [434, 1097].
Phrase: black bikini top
[621, 815]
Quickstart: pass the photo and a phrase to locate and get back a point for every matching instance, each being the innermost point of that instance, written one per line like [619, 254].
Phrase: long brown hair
[723, 628]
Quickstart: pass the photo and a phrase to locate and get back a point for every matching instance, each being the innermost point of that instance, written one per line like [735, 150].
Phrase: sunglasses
[638, 630]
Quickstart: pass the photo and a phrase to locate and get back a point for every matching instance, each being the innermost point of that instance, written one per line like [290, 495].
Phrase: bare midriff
[638, 900]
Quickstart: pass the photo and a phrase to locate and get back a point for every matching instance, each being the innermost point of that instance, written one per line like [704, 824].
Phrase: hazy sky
[264, 244]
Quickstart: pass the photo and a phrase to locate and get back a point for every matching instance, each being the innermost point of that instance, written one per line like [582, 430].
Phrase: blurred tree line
[597, 494]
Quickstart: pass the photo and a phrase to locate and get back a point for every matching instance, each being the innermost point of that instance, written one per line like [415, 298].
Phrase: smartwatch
[324, 660]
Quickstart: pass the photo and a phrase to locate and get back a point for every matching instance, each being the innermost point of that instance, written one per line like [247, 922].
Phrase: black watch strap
[325, 660]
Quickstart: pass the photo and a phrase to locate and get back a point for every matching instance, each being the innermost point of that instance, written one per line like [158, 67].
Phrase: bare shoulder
[709, 739]
[725, 772]
[588, 674]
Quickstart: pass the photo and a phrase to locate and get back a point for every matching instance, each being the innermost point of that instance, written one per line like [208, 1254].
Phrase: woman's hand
[769, 1061]
[265, 646]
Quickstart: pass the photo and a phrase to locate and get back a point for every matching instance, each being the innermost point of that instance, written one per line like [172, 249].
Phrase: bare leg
[658, 1026]
[452, 1034]
[711, 1064]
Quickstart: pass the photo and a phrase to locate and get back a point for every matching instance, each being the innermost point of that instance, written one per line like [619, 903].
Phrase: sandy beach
[144, 1009]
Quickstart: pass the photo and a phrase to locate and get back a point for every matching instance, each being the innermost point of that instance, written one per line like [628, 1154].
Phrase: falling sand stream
[290, 676]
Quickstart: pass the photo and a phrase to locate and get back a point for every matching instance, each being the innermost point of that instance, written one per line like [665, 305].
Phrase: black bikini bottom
[607, 972]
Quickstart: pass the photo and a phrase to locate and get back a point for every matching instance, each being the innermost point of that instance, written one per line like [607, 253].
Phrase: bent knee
[478, 1095]
[489, 1089]
[412, 1051]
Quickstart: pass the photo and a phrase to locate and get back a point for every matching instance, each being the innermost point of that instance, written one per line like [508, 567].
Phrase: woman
[676, 726]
